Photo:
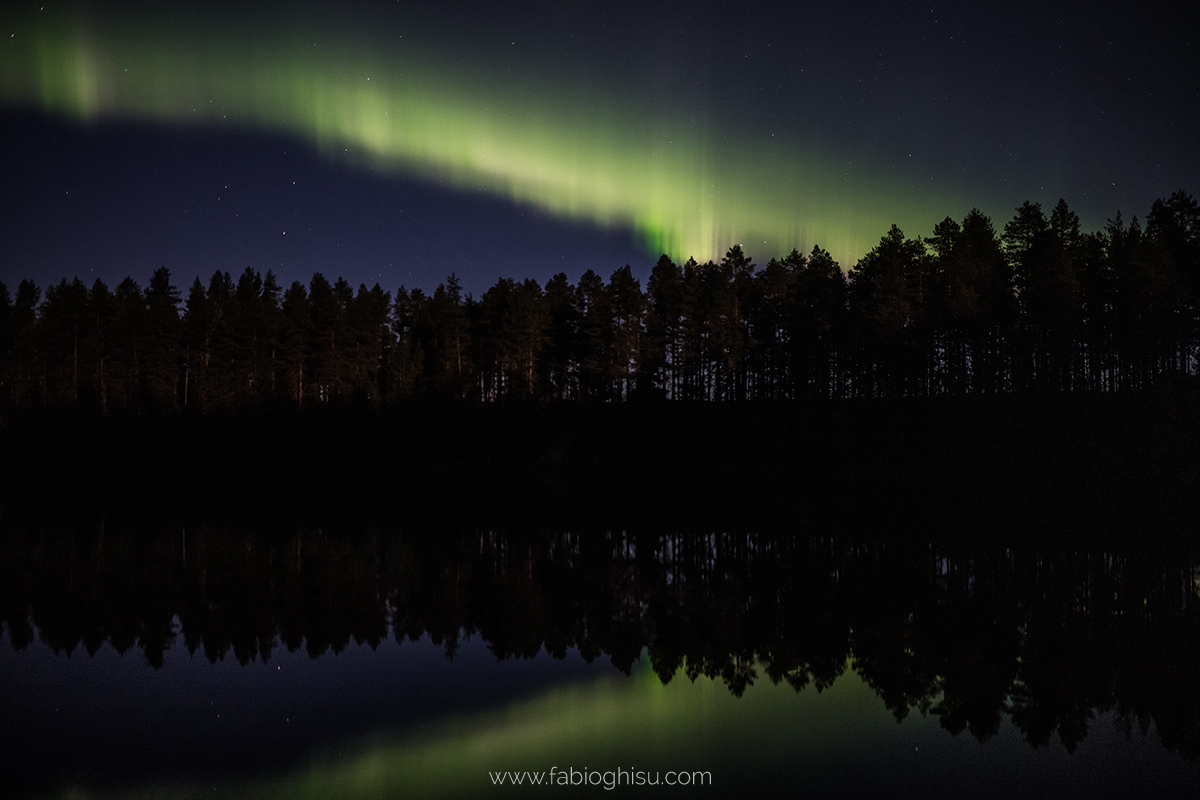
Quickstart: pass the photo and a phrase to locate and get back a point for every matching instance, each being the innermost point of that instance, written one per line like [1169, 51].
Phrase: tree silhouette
[560, 366]
[596, 336]
[65, 343]
[888, 293]
[664, 345]
[629, 312]
[1045, 307]
[295, 334]
[161, 353]
[817, 326]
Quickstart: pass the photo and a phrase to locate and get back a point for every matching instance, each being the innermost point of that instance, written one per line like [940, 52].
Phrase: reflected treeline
[1041, 306]
[1048, 638]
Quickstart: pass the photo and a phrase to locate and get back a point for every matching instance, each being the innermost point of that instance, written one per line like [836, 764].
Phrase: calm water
[172, 659]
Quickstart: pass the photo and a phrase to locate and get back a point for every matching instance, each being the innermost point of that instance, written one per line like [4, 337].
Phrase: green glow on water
[687, 187]
[613, 723]
[771, 742]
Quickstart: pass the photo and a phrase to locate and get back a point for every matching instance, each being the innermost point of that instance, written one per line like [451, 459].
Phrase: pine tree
[161, 351]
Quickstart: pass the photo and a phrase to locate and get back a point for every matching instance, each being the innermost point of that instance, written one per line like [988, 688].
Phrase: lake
[149, 656]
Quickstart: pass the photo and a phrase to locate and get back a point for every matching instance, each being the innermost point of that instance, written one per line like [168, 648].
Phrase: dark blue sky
[121, 199]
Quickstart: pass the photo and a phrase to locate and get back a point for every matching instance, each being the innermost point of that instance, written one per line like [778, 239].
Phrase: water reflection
[1063, 645]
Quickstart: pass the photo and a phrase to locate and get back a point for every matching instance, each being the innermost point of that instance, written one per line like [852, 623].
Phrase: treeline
[1041, 306]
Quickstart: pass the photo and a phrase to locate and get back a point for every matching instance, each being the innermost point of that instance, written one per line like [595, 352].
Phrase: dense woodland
[1040, 306]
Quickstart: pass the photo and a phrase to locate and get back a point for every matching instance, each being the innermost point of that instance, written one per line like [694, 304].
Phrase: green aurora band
[686, 186]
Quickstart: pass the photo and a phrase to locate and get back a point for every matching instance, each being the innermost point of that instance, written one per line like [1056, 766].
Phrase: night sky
[398, 142]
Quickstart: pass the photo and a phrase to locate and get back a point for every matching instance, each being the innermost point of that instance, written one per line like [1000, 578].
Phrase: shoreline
[1051, 462]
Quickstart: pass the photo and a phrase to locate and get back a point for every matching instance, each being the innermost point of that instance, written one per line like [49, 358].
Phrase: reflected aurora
[609, 724]
[771, 742]
[686, 186]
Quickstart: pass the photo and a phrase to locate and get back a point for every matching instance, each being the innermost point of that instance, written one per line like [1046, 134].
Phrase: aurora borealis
[596, 160]
[688, 127]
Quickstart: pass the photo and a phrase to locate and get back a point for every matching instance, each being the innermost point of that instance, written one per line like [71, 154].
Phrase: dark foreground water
[170, 658]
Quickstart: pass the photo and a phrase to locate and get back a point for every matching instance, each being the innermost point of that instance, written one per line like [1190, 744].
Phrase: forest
[1039, 307]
